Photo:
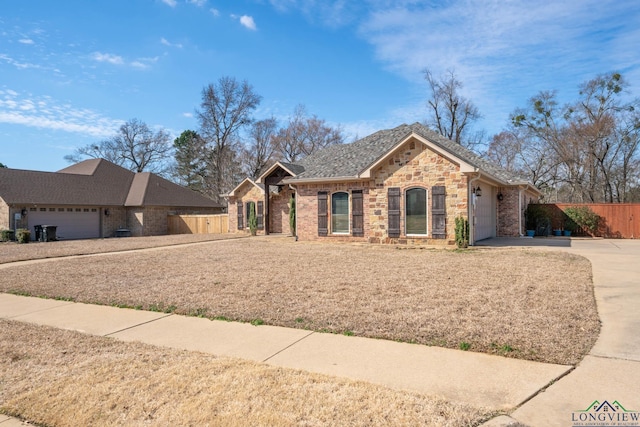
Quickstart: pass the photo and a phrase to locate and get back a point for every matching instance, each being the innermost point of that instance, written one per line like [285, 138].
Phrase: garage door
[72, 223]
[485, 214]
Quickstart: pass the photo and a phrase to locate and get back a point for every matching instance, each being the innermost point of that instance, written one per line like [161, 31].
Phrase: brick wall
[279, 211]
[412, 165]
[511, 213]
[307, 210]
[116, 219]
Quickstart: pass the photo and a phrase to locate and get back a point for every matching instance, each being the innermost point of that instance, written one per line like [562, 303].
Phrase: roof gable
[246, 181]
[355, 160]
[95, 182]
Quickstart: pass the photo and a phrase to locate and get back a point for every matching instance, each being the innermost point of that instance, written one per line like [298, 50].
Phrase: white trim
[232, 192]
[271, 169]
[404, 204]
[330, 231]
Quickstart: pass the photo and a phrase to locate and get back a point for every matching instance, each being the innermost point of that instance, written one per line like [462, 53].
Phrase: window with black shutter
[323, 228]
[260, 214]
[240, 216]
[393, 208]
[357, 227]
[438, 213]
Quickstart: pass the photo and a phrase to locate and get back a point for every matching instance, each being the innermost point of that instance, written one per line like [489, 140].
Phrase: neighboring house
[402, 185]
[94, 198]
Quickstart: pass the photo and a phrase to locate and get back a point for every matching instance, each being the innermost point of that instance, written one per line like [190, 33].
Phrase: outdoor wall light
[500, 197]
[106, 212]
[24, 212]
[477, 191]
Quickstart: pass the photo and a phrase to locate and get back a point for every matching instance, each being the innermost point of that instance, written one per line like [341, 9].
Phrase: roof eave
[232, 192]
[271, 169]
[321, 179]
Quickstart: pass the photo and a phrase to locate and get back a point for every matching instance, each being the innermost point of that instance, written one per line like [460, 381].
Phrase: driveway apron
[610, 373]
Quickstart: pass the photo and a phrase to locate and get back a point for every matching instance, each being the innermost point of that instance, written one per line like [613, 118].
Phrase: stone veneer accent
[246, 193]
[411, 165]
[278, 215]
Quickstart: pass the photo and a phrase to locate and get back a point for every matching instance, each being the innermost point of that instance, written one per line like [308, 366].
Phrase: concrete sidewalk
[478, 379]
[611, 370]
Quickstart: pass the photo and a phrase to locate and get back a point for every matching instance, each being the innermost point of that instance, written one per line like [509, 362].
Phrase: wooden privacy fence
[617, 220]
[198, 224]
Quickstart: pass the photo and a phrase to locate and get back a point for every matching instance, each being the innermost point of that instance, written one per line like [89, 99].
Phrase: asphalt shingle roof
[349, 160]
[95, 182]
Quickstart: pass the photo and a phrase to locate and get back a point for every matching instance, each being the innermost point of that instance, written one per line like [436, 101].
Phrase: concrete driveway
[610, 373]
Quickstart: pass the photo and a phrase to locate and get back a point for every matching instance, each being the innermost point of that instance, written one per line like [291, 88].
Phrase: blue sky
[72, 71]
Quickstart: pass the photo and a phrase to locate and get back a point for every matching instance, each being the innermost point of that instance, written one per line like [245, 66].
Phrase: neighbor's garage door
[72, 223]
[485, 226]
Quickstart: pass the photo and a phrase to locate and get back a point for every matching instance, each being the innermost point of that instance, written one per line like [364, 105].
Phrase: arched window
[416, 211]
[340, 212]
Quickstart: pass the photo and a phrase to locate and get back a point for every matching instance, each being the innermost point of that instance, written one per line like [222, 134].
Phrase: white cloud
[187, 115]
[26, 41]
[171, 3]
[247, 22]
[199, 3]
[107, 57]
[20, 65]
[214, 12]
[46, 113]
[168, 43]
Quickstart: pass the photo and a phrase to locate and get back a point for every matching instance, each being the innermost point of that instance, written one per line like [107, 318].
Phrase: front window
[416, 211]
[340, 213]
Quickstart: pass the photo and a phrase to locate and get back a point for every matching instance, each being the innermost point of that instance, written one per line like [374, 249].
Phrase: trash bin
[38, 233]
[49, 233]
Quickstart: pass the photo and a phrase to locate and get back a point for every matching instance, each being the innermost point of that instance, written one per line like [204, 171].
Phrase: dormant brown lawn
[64, 378]
[527, 304]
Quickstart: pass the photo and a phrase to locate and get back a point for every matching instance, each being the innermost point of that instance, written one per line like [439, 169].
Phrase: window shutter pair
[393, 211]
[357, 217]
[260, 214]
[438, 213]
[323, 228]
[240, 216]
[357, 213]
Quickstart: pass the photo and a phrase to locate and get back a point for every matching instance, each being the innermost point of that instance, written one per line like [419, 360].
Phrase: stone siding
[5, 223]
[412, 165]
[246, 193]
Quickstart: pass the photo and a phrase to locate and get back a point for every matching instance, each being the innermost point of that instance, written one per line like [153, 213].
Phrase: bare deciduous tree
[304, 135]
[451, 114]
[258, 153]
[134, 147]
[593, 142]
[226, 108]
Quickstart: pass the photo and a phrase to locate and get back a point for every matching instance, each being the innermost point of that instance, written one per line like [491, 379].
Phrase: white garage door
[72, 223]
[485, 214]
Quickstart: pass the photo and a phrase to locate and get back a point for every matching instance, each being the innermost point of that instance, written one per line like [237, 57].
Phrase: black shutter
[438, 214]
[393, 208]
[323, 228]
[260, 214]
[240, 216]
[357, 219]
